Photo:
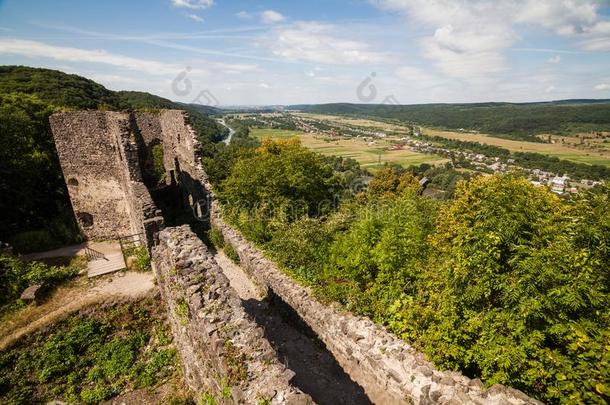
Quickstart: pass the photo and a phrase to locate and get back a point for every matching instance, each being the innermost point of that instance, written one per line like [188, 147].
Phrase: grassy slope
[91, 356]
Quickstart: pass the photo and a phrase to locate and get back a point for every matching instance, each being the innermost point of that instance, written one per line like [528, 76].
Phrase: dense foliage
[35, 209]
[57, 88]
[518, 121]
[16, 275]
[281, 181]
[505, 281]
[90, 357]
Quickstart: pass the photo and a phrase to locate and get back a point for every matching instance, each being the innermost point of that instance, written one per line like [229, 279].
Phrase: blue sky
[283, 52]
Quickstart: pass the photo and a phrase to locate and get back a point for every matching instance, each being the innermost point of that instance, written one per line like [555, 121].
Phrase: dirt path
[317, 372]
[238, 279]
[69, 299]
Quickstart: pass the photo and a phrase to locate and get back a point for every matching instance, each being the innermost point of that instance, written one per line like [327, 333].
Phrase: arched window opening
[85, 219]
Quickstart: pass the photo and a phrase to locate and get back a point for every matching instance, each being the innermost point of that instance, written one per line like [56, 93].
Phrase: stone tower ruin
[102, 156]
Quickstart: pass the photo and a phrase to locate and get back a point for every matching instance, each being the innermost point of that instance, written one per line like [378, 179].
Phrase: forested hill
[35, 211]
[72, 91]
[518, 120]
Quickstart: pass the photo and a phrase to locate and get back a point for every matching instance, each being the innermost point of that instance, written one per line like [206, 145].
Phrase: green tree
[514, 295]
[281, 182]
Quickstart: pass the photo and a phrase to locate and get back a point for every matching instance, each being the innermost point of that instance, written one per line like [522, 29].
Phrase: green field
[562, 151]
[369, 156]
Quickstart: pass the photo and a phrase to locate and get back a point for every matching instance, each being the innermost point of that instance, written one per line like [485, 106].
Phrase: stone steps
[108, 264]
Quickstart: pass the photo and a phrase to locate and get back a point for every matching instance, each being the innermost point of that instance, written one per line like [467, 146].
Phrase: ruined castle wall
[99, 156]
[389, 369]
[222, 349]
[181, 154]
[93, 163]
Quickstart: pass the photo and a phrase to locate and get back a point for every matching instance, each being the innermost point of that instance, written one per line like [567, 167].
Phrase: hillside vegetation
[505, 281]
[91, 356]
[512, 120]
[35, 208]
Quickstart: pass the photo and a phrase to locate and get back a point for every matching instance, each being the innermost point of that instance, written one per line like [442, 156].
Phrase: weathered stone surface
[99, 156]
[32, 292]
[389, 369]
[101, 152]
[214, 335]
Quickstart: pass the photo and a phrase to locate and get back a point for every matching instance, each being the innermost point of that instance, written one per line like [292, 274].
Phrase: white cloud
[193, 4]
[319, 43]
[195, 17]
[35, 49]
[271, 17]
[468, 37]
[566, 17]
[244, 15]
[602, 87]
[554, 59]
[414, 75]
[601, 44]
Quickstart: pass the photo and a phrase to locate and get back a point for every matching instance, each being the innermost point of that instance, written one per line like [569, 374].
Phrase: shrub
[231, 253]
[16, 275]
[142, 258]
[33, 241]
[216, 238]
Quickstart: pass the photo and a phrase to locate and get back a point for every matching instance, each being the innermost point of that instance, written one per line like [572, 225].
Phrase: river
[231, 130]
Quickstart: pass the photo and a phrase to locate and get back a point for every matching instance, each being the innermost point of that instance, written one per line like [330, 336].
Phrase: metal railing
[128, 242]
[92, 254]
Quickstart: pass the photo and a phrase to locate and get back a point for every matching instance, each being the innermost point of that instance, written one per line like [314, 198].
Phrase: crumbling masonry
[103, 156]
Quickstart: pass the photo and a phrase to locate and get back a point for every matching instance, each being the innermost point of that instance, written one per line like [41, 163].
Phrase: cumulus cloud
[195, 17]
[319, 43]
[271, 17]
[35, 49]
[602, 87]
[467, 38]
[193, 4]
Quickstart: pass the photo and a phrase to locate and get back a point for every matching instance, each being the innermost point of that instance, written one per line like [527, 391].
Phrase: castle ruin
[105, 158]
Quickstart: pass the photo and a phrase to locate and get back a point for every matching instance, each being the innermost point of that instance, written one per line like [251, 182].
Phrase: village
[559, 183]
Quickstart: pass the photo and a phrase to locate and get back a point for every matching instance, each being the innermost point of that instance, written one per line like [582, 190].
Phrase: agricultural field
[561, 151]
[359, 122]
[601, 156]
[369, 156]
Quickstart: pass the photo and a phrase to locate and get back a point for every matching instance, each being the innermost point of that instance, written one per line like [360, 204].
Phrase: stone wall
[389, 370]
[222, 349]
[100, 154]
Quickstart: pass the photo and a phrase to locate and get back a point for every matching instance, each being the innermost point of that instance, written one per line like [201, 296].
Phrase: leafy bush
[231, 253]
[216, 238]
[506, 281]
[89, 357]
[16, 275]
[33, 241]
[142, 258]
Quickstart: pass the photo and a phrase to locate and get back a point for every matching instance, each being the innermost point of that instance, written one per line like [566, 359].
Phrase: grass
[369, 156]
[90, 357]
[561, 151]
[567, 152]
